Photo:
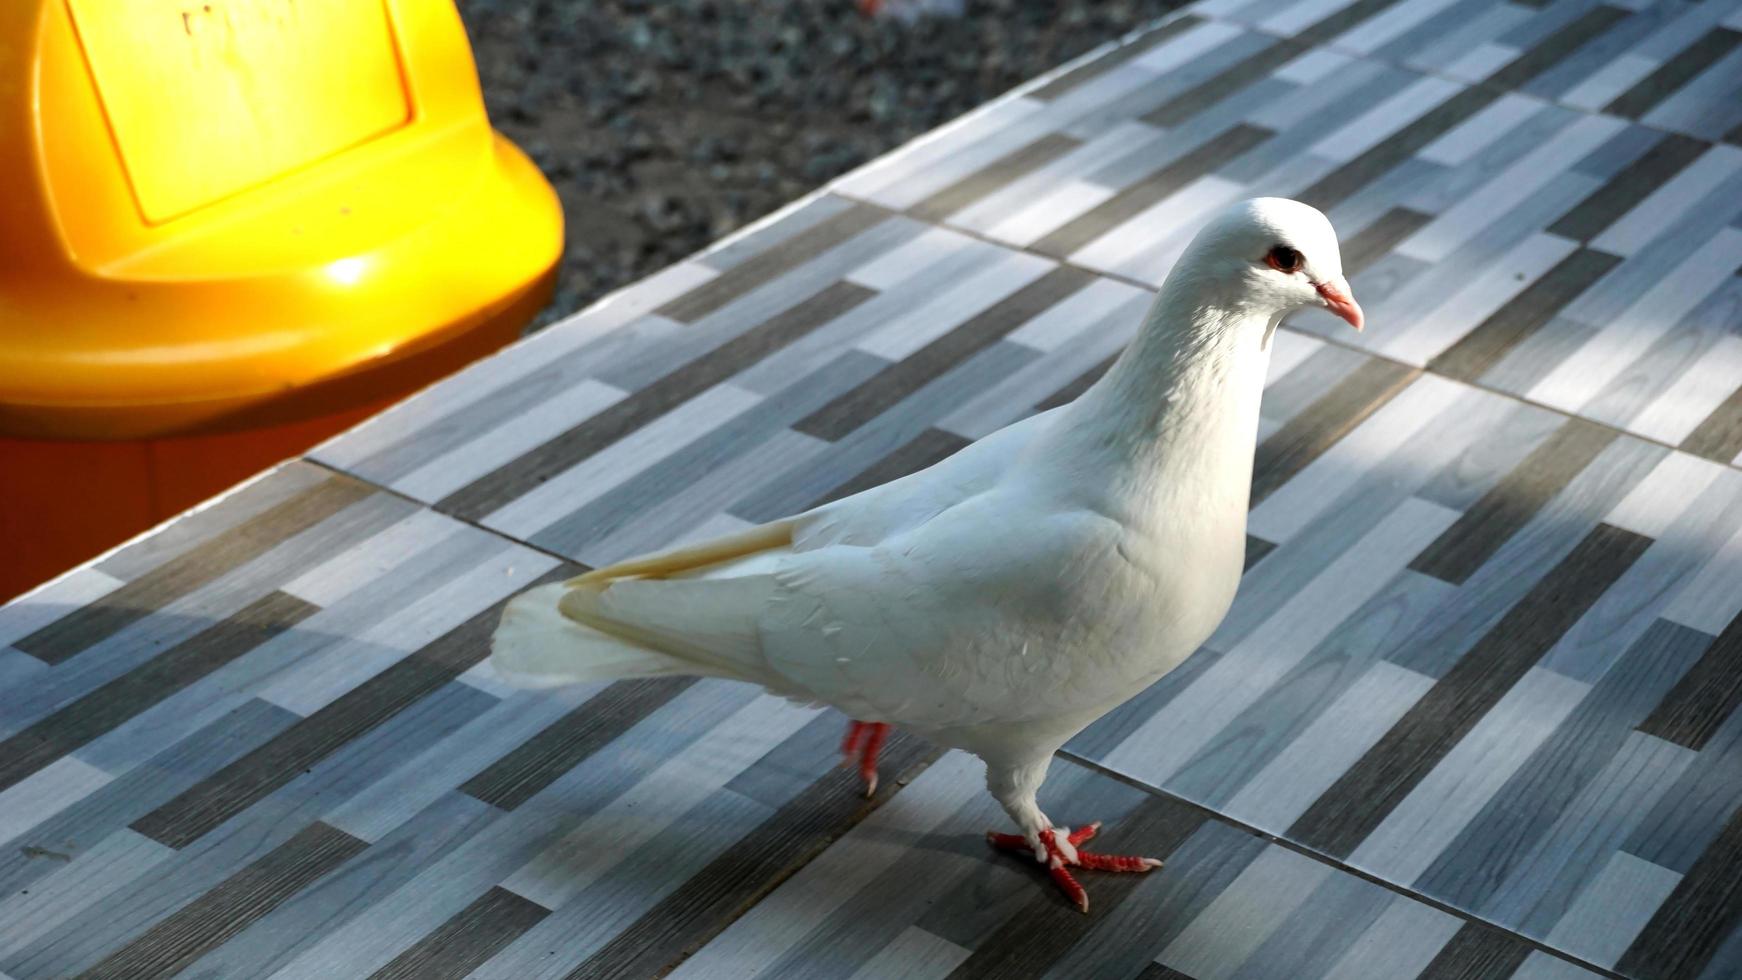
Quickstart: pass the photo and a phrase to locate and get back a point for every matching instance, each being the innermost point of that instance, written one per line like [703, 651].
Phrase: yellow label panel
[211, 97]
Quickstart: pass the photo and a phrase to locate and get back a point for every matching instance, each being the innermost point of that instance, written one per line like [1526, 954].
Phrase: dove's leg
[864, 740]
[1015, 788]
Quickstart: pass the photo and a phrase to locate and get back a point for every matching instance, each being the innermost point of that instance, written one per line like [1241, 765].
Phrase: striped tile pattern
[1544, 199]
[902, 896]
[1474, 713]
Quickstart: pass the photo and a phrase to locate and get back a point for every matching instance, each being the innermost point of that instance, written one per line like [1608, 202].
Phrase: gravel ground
[665, 124]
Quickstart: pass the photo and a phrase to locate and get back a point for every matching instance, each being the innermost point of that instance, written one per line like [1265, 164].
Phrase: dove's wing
[929, 628]
[905, 602]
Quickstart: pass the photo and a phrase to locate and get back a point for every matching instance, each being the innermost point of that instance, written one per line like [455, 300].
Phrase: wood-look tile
[1321, 424]
[688, 917]
[84, 719]
[1705, 697]
[1532, 725]
[1719, 437]
[753, 272]
[1699, 913]
[1475, 868]
[468, 939]
[538, 761]
[1545, 55]
[84, 627]
[1479, 350]
[241, 783]
[1153, 188]
[489, 491]
[1006, 169]
[1367, 792]
[254, 891]
[1477, 953]
[1118, 56]
[1673, 74]
[1620, 193]
[1512, 502]
[904, 377]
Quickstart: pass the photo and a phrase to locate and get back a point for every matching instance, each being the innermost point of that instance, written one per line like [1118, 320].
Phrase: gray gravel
[665, 124]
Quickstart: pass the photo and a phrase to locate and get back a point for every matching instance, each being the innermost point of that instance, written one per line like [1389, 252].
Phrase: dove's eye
[1284, 259]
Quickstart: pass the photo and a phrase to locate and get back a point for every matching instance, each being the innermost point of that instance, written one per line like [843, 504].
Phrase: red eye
[1284, 259]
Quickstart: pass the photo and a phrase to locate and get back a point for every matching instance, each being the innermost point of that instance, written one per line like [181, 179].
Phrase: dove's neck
[1176, 417]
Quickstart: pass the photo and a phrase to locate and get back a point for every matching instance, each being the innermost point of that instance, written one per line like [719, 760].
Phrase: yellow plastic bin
[228, 229]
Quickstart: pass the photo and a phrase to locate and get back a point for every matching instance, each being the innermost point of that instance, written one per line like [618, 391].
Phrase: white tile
[1370, 128]
[656, 801]
[1656, 501]
[1590, 369]
[1695, 394]
[1479, 132]
[1388, 436]
[1077, 312]
[940, 144]
[457, 393]
[1712, 596]
[47, 792]
[1297, 16]
[1373, 33]
[1187, 46]
[1613, 907]
[1662, 207]
[938, 316]
[317, 681]
[1050, 211]
[1603, 85]
[1509, 189]
[48, 602]
[782, 920]
[916, 255]
[1013, 396]
[87, 879]
[1480, 62]
[1189, 210]
[1238, 920]
[1313, 66]
[1287, 350]
[1308, 766]
[1062, 181]
[1168, 740]
[1460, 786]
[1153, 237]
[1400, 943]
[391, 800]
[615, 465]
[365, 561]
[914, 955]
[1421, 334]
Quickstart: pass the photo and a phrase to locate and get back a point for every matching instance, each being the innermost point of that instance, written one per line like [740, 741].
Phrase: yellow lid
[212, 203]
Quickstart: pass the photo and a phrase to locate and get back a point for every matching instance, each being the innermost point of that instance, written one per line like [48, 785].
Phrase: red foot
[1059, 860]
[864, 740]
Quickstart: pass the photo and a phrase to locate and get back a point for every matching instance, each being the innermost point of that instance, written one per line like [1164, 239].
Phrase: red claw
[863, 742]
[1058, 865]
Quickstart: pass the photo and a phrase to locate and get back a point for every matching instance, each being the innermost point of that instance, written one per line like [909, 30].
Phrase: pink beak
[1339, 300]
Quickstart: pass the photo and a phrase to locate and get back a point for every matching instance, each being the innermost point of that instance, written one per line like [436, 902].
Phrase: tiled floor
[1474, 714]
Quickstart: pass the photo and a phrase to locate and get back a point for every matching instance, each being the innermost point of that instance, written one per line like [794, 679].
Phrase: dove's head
[1278, 255]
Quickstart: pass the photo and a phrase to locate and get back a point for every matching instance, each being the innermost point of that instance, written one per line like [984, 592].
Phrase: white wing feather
[886, 604]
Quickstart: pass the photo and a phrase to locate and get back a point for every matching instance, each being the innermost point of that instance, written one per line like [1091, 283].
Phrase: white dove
[1006, 597]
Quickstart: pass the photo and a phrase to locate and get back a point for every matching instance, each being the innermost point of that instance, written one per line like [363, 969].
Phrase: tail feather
[537, 646]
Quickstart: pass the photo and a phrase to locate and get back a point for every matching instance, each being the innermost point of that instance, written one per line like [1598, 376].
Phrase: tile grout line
[1484, 83]
[511, 539]
[1336, 864]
